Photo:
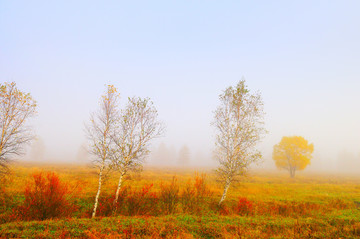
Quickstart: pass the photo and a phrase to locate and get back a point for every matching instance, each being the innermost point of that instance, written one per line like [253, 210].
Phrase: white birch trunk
[227, 185]
[292, 172]
[98, 192]
[118, 191]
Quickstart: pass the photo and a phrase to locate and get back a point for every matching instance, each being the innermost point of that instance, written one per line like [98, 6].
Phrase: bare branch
[16, 108]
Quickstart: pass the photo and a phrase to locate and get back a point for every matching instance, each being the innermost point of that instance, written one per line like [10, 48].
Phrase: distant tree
[293, 153]
[82, 153]
[37, 152]
[137, 126]
[184, 156]
[239, 126]
[172, 155]
[16, 108]
[100, 132]
[161, 155]
[347, 161]
[201, 159]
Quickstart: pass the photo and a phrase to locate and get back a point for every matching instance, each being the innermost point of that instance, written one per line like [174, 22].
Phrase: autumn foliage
[195, 195]
[243, 207]
[46, 197]
[264, 207]
[131, 202]
[293, 153]
[142, 202]
[194, 198]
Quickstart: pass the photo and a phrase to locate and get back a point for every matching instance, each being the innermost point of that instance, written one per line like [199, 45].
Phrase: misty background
[302, 56]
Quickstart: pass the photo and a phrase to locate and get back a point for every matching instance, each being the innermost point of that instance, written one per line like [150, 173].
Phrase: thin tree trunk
[98, 192]
[227, 185]
[292, 172]
[117, 192]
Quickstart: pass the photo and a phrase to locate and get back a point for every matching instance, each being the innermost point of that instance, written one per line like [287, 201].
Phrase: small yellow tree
[293, 153]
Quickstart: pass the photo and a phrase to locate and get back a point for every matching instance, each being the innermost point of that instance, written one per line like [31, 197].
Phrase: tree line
[120, 138]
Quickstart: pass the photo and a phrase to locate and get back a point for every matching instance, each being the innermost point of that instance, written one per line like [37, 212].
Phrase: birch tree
[138, 125]
[100, 131]
[238, 123]
[16, 108]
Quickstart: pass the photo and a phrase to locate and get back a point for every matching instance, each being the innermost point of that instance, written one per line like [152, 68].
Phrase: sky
[302, 56]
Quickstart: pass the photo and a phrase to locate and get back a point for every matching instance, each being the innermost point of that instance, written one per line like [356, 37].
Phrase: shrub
[223, 208]
[3, 194]
[243, 207]
[142, 202]
[169, 196]
[7, 201]
[194, 196]
[130, 202]
[46, 197]
[106, 203]
[188, 198]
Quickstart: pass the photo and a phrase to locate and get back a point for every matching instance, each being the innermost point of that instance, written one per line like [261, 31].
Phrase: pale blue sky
[303, 56]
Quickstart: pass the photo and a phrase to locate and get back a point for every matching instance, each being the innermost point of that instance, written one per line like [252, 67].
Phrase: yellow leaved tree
[293, 153]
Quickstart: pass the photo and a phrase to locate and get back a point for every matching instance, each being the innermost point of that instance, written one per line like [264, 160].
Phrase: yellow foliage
[293, 153]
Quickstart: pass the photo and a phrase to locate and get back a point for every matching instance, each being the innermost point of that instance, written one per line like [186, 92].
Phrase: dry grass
[264, 204]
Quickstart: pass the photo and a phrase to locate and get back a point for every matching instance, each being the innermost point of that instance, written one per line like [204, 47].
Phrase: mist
[305, 66]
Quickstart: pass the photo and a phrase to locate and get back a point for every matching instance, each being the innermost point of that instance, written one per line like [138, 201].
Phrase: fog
[304, 61]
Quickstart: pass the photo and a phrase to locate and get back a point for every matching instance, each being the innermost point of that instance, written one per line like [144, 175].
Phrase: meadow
[182, 203]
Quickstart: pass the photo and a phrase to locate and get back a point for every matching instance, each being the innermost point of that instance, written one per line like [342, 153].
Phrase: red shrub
[223, 209]
[130, 202]
[243, 207]
[45, 197]
[106, 203]
[142, 202]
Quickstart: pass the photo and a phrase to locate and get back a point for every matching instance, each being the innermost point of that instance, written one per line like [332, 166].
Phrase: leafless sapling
[16, 108]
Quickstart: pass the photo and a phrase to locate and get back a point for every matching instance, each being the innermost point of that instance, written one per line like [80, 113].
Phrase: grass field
[261, 205]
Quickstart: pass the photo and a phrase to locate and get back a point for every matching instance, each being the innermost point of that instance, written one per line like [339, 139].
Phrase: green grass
[342, 225]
